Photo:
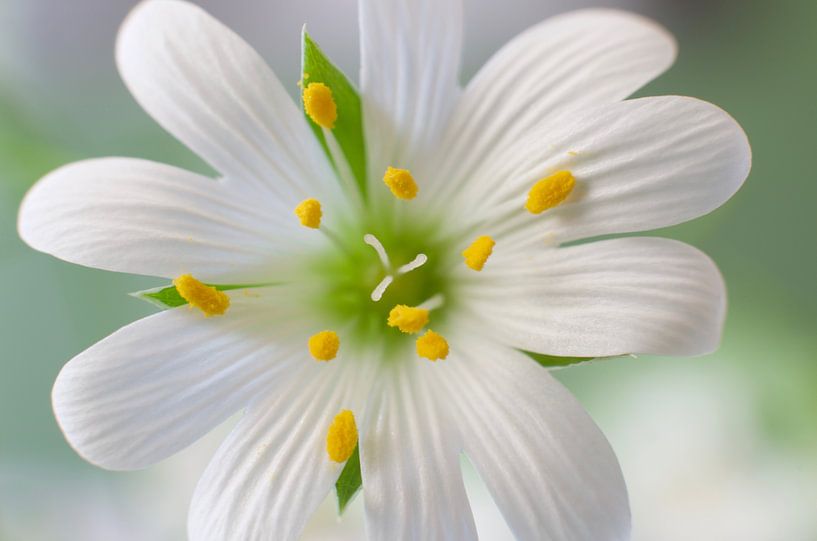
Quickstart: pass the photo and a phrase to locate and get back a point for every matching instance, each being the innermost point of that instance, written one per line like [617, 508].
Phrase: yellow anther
[341, 438]
[320, 105]
[432, 346]
[324, 345]
[309, 212]
[478, 253]
[206, 298]
[401, 183]
[550, 191]
[408, 319]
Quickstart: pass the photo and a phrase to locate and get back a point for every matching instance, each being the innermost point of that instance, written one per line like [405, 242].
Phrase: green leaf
[349, 481]
[551, 361]
[163, 297]
[169, 297]
[348, 130]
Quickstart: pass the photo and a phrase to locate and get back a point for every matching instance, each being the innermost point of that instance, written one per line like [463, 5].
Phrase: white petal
[410, 56]
[614, 297]
[136, 216]
[639, 165]
[548, 466]
[571, 61]
[157, 385]
[273, 471]
[412, 481]
[213, 92]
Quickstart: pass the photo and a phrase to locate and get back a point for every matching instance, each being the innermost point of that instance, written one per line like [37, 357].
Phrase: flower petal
[567, 62]
[613, 297]
[412, 481]
[157, 385]
[410, 57]
[141, 217]
[548, 466]
[213, 92]
[638, 164]
[273, 470]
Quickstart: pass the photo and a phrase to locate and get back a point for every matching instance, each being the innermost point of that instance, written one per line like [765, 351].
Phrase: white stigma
[375, 243]
[379, 290]
[416, 263]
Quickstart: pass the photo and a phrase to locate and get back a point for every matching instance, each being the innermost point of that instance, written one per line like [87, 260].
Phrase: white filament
[433, 303]
[347, 178]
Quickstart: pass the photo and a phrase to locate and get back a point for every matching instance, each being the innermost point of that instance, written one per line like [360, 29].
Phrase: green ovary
[345, 276]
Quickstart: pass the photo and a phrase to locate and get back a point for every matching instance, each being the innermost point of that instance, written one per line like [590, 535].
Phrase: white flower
[541, 128]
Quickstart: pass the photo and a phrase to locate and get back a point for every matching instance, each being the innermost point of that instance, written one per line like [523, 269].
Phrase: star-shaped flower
[375, 284]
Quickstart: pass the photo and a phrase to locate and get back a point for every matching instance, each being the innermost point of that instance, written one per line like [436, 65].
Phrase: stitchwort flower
[380, 278]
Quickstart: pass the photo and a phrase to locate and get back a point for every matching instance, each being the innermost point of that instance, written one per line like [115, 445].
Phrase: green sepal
[349, 481]
[553, 361]
[348, 130]
[168, 297]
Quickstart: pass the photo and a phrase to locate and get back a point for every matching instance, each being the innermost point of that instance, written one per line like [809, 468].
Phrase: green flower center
[349, 271]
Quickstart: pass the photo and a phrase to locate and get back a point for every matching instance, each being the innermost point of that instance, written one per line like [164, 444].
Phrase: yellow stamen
[206, 298]
[432, 346]
[478, 253]
[341, 438]
[320, 105]
[324, 345]
[408, 319]
[401, 183]
[309, 212]
[550, 191]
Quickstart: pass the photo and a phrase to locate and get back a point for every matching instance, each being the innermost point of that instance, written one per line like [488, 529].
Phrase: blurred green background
[716, 448]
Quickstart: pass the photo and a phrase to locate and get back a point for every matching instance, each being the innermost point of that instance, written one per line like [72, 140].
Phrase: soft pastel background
[716, 448]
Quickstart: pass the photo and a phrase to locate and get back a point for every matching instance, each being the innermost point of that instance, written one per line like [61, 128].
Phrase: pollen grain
[401, 183]
[550, 192]
[341, 438]
[319, 105]
[309, 213]
[478, 253]
[324, 345]
[206, 298]
[408, 319]
[432, 346]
